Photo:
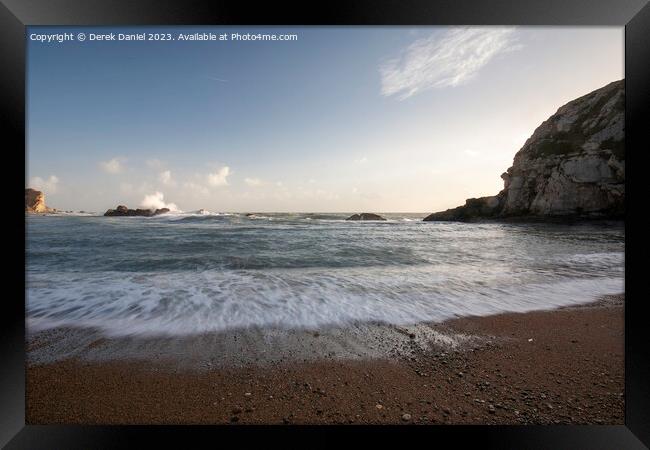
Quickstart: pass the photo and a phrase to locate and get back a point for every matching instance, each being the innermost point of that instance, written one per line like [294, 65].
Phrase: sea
[192, 273]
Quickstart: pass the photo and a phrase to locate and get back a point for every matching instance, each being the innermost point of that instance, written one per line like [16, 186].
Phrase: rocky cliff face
[573, 166]
[35, 201]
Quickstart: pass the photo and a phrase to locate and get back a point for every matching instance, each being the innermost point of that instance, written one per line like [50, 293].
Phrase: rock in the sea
[122, 210]
[365, 216]
[35, 202]
[573, 166]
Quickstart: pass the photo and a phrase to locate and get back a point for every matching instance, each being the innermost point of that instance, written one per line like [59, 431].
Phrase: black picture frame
[15, 15]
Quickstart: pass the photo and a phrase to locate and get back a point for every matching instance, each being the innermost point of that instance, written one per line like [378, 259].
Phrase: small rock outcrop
[365, 216]
[573, 166]
[122, 210]
[35, 202]
[483, 207]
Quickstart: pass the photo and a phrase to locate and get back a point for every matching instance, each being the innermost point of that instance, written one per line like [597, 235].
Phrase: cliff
[573, 166]
[35, 202]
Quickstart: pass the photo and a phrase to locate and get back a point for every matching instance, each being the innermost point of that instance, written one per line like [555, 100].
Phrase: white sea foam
[191, 302]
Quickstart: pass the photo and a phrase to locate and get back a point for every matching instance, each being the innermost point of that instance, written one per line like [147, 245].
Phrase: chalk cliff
[573, 166]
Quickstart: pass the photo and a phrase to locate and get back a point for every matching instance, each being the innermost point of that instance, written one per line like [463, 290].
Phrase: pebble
[378, 406]
[247, 394]
[406, 417]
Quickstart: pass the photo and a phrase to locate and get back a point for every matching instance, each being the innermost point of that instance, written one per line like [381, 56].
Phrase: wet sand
[562, 366]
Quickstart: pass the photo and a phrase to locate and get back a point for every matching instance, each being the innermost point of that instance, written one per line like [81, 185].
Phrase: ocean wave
[197, 302]
[195, 272]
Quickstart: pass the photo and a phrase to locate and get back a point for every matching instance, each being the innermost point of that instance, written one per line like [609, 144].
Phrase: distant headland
[35, 202]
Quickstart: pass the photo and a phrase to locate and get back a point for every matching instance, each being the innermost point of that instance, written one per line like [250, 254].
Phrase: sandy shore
[561, 366]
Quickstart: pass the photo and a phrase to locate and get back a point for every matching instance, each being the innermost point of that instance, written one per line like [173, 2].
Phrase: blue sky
[342, 119]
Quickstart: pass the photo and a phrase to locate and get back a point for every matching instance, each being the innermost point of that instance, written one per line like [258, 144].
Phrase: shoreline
[471, 370]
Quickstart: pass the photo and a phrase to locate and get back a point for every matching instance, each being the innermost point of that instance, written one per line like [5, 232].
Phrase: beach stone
[406, 417]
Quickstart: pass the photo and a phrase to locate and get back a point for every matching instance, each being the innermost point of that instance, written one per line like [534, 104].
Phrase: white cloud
[201, 184]
[165, 178]
[48, 186]
[113, 166]
[472, 153]
[219, 178]
[126, 188]
[155, 164]
[444, 59]
[129, 188]
[156, 201]
[253, 181]
[216, 79]
[196, 188]
[361, 160]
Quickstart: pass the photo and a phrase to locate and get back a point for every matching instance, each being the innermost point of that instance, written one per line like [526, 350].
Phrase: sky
[341, 119]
